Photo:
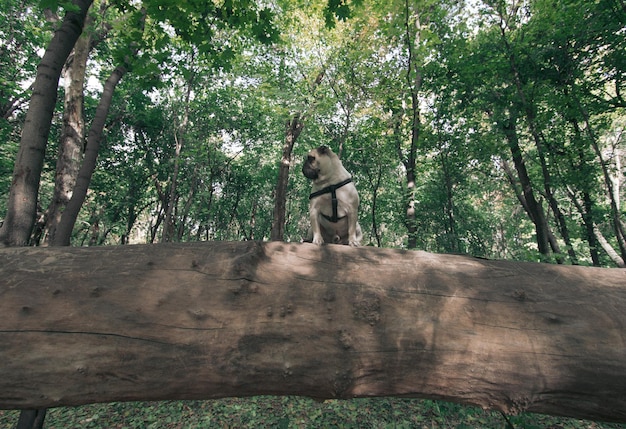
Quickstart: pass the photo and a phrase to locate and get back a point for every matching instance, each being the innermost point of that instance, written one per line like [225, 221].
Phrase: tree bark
[620, 234]
[293, 128]
[72, 141]
[22, 204]
[533, 207]
[65, 226]
[529, 111]
[414, 79]
[180, 135]
[63, 234]
[219, 319]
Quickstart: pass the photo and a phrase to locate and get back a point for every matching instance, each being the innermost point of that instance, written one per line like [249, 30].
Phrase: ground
[288, 412]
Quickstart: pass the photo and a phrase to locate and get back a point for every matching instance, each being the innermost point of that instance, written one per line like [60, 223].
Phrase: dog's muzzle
[309, 172]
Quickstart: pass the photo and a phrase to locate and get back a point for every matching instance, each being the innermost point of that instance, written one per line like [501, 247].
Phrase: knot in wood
[367, 308]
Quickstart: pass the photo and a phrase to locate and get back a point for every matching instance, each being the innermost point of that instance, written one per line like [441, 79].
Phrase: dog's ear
[323, 150]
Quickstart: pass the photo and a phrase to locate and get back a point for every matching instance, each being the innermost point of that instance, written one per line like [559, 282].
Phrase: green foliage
[199, 22]
[339, 9]
[22, 37]
[450, 75]
[294, 412]
[387, 70]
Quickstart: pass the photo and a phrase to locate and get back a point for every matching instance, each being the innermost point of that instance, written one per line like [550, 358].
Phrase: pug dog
[334, 201]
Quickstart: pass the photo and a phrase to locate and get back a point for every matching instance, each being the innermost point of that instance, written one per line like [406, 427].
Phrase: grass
[292, 412]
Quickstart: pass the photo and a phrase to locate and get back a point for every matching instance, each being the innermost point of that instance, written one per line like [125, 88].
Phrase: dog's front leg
[353, 239]
[315, 226]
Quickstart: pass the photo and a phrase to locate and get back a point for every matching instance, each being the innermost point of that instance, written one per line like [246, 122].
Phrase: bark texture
[22, 205]
[72, 140]
[65, 226]
[293, 128]
[218, 319]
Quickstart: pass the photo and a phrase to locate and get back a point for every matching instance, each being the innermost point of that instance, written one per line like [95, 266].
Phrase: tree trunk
[195, 183]
[414, 79]
[374, 174]
[220, 319]
[23, 195]
[293, 129]
[72, 141]
[70, 214]
[530, 203]
[613, 194]
[169, 223]
[585, 186]
[451, 242]
[180, 134]
[606, 246]
[585, 209]
[31, 419]
[66, 224]
[529, 111]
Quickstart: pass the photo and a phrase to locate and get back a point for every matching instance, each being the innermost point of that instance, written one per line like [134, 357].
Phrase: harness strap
[331, 190]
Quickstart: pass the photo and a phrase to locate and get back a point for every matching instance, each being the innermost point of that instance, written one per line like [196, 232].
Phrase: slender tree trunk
[533, 207]
[169, 223]
[547, 184]
[92, 147]
[414, 80]
[587, 216]
[606, 246]
[70, 214]
[23, 195]
[585, 186]
[191, 197]
[558, 214]
[158, 219]
[451, 243]
[532, 126]
[293, 128]
[411, 216]
[72, 141]
[171, 198]
[375, 178]
[586, 212]
[612, 193]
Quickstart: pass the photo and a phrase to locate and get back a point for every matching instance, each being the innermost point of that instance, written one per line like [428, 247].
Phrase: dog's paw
[318, 240]
[354, 243]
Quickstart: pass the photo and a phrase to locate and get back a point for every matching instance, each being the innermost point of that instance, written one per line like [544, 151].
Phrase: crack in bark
[104, 334]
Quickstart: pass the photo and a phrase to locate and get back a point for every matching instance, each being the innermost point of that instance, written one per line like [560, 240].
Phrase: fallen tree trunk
[210, 320]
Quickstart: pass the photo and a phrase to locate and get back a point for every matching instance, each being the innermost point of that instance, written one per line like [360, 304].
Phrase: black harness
[332, 190]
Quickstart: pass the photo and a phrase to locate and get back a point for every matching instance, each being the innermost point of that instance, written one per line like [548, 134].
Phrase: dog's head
[318, 161]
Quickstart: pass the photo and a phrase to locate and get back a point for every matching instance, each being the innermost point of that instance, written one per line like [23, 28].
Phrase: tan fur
[325, 169]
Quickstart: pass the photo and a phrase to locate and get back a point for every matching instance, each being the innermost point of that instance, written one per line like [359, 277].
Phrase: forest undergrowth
[294, 412]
